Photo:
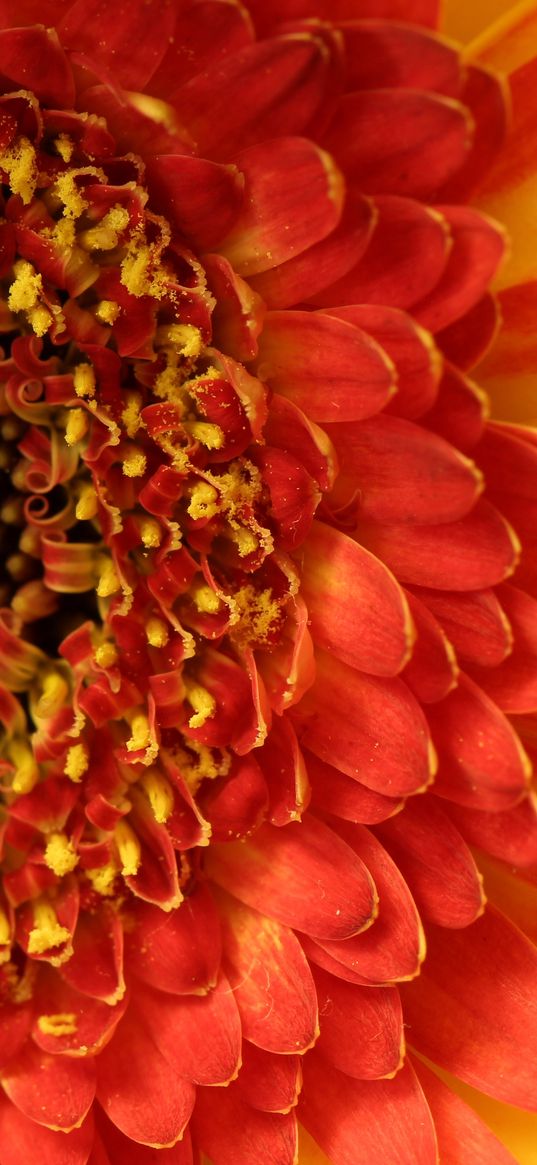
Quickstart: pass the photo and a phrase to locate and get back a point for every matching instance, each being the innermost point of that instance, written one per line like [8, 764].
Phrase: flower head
[263, 680]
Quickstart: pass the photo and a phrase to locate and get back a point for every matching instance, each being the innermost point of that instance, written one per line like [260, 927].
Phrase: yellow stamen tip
[129, 849]
[54, 694]
[160, 794]
[76, 763]
[106, 655]
[107, 311]
[203, 501]
[150, 533]
[62, 1024]
[60, 855]
[203, 703]
[134, 463]
[156, 632]
[77, 426]
[108, 582]
[87, 505]
[84, 380]
[140, 733]
[206, 599]
[47, 931]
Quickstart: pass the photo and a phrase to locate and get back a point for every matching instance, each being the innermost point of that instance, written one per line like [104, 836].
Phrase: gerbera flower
[269, 635]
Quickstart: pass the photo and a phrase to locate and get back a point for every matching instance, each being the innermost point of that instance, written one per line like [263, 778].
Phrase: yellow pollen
[60, 855]
[64, 1023]
[206, 599]
[150, 533]
[76, 763]
[203, 703]
[68, 192]
[55, 691]
[84, 380]
[64, 146]
[140, 733]
[129, 849]
[47, 931]
[160, 794]
[245, 540]
[26, 288]
[156, 633]
[209, 435]
[203, 501]
[26, 770]
[107, 311]
[131, 414]
[102, 879]
[77, 426]
[40, 319]
[139, 272]
[5, 930]
[134, 463]
[86, 506]
[19, 162]
[108, 581]
[106, 655]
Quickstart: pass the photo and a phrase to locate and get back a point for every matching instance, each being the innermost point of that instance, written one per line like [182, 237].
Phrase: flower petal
[432, 670]
[269, 1082]
[387, 139]
[435, 862]
[353, 380]
[201, 199]
[474, 1010]
[373, 631]
[475, 624]
[461, 1133]
[271, 979]
[383, 741]
[120, 1148]
[512, 684]
[55, 1091]
[334, 792]
[477, 551]
[403, 473]
[178, 952]
[478, 246]
[510, 835]
[233, 1133]
[459, 411]
[393, 948]
[304, 876]
[397, 56]
[278, 175]
[137, 1090]
[385, 1121]
[20, 1134]
[135, 40]
[411, 348]
[32, 58]
[482, 763]
[361, 1027]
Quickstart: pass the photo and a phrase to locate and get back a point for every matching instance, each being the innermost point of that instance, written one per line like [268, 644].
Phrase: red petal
[396, 56]
[478, 246]
[32, 58]
[513, 683]
[382, 1121]
[474, 1009]
[461, 1134]
[123, 1151]
[55, 1091]
[285, 773]
[135, 40]
[239, 311]
[137, 1090]
[353, 380]
[93, 1022]
[511, 835]
[309, 273]
[393, 948]
[180, 951]
[320, 958]
[388, 140]
[96, 967]
[414, 11]
[403, 473]
[478, 551]
[459, 412]
[267, 1081]
[510, 467]
[432, 670]
[382, 740]
[403, 262]
[333, 792]
[278, 176]
[435, 862]
[200, 199]
[199, 1036]
[233, 1133]
[207, 32]
[15, 1024]
[303, 875]
[236, 804]
[20, 1136]
[375, 632]
[271, 979]
[411, 348]
[474, 623]
[285, 82]
[468, 339]
[485, 96]
[361, 1027]
[482, 763]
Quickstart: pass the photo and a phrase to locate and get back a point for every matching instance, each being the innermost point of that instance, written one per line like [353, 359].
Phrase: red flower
[257, 531]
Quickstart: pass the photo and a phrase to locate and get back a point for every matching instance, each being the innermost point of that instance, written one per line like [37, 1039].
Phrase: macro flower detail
[268, 594]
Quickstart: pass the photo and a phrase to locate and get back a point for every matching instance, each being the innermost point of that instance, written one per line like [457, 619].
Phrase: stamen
[203, 703]
[84, 380]
[106, 655]
[76, 763]
[54, 694]
[129, 849]
[156, 632]
[150, 533]
[26, 769]
[60, 855]
[108, 580]
[64, 1023]
[87, 505]
[203, 501]
[206, 599]
[107, 311]
[134, 463]
[77, 426]
[140, 733]
[47, 931]
[160, 794]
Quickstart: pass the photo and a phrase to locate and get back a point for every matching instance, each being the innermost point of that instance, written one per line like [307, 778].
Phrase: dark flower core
[134, 477]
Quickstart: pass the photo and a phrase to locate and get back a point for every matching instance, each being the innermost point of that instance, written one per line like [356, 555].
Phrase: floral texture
[267, 697]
